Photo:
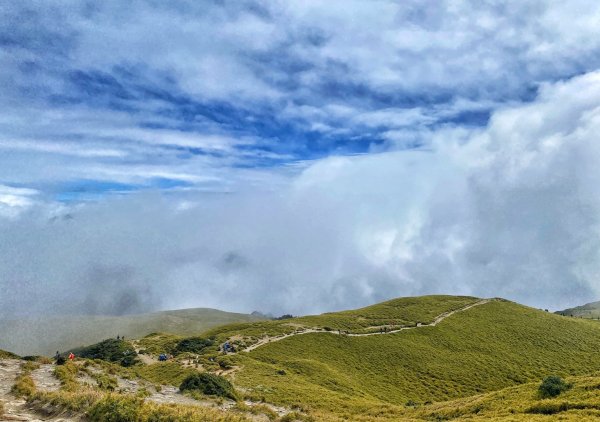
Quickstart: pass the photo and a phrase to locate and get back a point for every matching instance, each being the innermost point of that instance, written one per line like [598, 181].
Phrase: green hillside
[486, 348]
[521, 403]
[45, 336]
[392, 314]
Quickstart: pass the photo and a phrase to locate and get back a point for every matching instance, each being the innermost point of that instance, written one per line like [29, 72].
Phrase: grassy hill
[392, 314]
[589, 310]
[483, 361]
[46, 335]
[486, 348]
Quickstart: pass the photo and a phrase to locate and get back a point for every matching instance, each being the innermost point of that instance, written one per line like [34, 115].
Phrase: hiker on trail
[60, 360]
[118, 337]
[71, 356]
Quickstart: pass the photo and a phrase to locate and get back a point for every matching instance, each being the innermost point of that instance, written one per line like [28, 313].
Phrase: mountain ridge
[588, 310]
[46, 335]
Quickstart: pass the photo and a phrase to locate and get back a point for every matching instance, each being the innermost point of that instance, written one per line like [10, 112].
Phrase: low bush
[105, 382]
[116, 408]
[552, 386]
[225, 362]
[209, 384]
[36, 358]
[193, 345]
[29, 366]
[111, 350]
[165, 373]
[67, 375]
[24, 386]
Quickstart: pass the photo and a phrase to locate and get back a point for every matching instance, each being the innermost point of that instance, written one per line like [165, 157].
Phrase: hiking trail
[436, 321]
[17, 409]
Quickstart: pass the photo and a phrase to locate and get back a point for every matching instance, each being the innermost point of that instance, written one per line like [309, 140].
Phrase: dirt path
[16, 409]
[145, 358]
[435, 322]
[44, 378]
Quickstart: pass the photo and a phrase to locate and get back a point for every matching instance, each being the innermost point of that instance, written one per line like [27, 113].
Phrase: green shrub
[193, 345]
[225, 362]
[115, 408]
[143, 393]
[209, 384]
[129, 360]
[34, 358]
[29, 366]
[67, 375]
[24, 386]
[105, 382]
[110, 350]
[552, 386]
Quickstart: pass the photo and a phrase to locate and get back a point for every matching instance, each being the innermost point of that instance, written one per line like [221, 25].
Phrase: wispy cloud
[267, 83]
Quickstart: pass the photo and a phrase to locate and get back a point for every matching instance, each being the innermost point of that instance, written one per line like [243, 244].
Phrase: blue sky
[104, 97]
[343, 151]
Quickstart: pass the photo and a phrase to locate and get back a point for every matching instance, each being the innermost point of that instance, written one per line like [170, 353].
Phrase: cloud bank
[510, 209]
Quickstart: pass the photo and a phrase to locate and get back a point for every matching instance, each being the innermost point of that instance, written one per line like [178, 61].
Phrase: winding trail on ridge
[436, 321]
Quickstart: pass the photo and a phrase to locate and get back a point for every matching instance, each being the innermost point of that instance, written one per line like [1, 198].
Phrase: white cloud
[14, 201]
[510, 210]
